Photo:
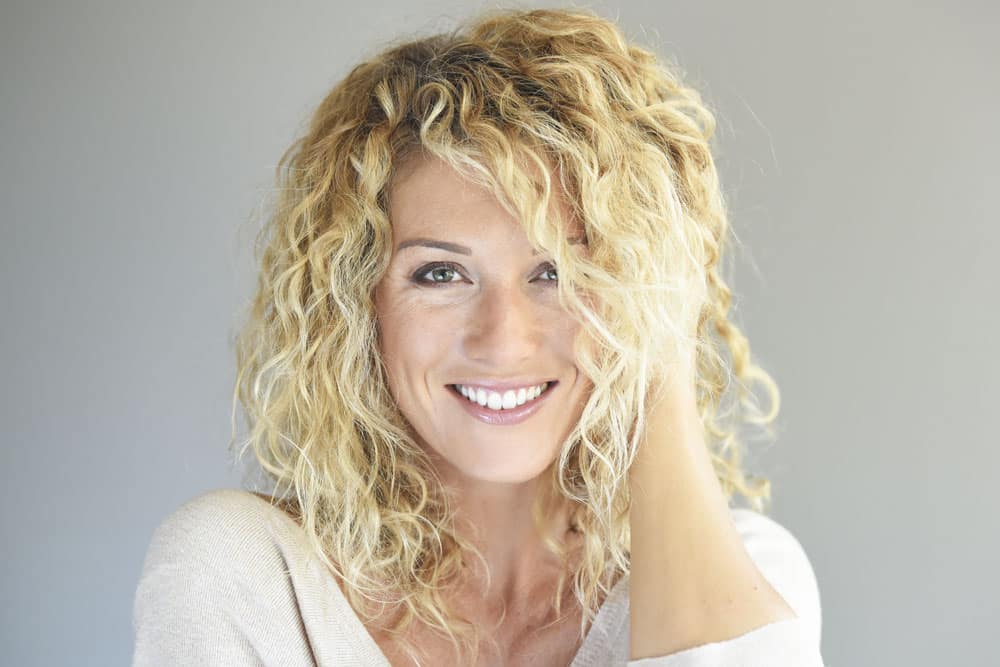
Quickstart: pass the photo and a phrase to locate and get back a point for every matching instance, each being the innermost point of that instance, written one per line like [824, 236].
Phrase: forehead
[429, 190]
[427, 193]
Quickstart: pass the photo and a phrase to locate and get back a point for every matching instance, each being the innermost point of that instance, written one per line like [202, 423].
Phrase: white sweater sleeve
[788, 643]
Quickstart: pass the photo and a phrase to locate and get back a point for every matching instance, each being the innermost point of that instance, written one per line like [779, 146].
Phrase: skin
[692, 581]
[496, 315]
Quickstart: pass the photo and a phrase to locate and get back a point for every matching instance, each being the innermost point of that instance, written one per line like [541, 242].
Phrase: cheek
[412, 343]
[562, 332]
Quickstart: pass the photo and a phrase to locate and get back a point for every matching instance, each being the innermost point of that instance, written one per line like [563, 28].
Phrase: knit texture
[230, 580]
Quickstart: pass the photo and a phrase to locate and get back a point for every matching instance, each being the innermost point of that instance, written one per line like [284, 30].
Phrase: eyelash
[417, 277]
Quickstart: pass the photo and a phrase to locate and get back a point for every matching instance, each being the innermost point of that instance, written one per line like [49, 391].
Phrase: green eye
[442, 271]
[551, 270]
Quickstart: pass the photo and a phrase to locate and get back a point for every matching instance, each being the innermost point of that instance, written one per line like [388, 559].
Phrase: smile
[501, 400]
[523, 402]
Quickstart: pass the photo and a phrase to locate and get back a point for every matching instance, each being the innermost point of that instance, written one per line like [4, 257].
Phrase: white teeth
[497, 401]
[509, 399]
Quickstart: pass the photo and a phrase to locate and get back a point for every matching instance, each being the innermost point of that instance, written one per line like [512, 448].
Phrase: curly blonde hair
[514, 100]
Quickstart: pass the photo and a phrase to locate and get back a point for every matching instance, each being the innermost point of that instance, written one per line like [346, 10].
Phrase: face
[466, 304]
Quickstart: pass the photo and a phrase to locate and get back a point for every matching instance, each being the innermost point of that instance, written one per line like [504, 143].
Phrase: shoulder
[783, 561]
[224, 533]
[218, 527]
[217, 586]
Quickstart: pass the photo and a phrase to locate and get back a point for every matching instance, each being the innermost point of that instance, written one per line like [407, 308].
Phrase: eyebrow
[459, 249]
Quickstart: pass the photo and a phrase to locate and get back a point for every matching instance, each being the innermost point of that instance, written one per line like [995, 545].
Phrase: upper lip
[501, 386]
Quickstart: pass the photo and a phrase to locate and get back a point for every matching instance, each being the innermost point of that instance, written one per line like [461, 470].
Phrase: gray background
[856, 142]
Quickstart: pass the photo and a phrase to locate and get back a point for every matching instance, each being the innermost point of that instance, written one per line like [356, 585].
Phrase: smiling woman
[485, 369]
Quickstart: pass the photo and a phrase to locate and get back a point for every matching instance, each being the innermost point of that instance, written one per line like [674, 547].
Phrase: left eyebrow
[573, 241]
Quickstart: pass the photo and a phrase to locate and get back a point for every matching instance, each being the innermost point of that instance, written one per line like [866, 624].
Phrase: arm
[692, 581]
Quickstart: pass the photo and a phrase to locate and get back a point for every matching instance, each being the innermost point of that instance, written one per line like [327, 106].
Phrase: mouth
[503, 416]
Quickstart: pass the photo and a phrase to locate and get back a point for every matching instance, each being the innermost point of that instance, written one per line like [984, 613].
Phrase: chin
[510, 465]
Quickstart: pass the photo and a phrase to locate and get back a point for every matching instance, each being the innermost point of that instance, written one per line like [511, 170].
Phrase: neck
[498, 519]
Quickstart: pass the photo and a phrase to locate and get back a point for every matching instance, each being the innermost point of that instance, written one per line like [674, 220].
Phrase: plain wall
[856, 143]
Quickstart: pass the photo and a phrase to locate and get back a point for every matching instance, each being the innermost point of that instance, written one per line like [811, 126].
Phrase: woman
[481, 371]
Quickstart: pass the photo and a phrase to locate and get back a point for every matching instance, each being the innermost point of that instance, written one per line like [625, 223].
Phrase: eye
[439, 272]
[549, 269]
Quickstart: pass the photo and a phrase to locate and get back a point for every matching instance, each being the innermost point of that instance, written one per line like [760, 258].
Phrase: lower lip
[503, 417]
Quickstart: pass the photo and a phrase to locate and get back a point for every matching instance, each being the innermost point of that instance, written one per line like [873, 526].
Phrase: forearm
[692, 581]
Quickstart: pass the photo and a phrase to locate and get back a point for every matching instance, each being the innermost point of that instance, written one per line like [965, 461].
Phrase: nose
[504, 330]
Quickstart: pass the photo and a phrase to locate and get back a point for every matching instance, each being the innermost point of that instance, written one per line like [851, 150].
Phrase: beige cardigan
[230, 580]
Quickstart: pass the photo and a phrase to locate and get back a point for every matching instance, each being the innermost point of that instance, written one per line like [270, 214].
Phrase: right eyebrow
[456, 248]
[434, 243]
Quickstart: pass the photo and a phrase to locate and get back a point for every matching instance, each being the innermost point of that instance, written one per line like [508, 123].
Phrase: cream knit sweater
[229, 580]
